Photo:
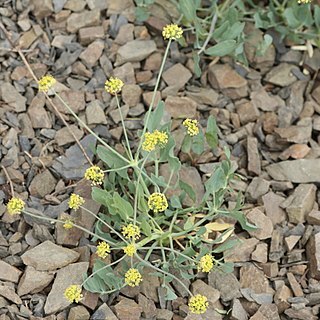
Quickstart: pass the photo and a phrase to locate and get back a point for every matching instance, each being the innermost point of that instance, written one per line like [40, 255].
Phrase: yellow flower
[192, 127]
[130, 250]
[172, 31]
[15, 206]
[154, 139]
[304, 1]
[103, 249]
[73, 293]
[95, 175]
[75, 201]
[206, 263]
[68, 224]
[157, 202]
[46, 82]
[113, 85]
[198, 304]
[133, 277]
[131, 231]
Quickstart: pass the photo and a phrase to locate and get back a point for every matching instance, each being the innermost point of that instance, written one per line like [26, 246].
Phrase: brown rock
[262, 222]
[153, 62]
[42, 8]
[42, 184]
[147, 98]
[247, 112]
[181, 107]
[75, 5]
[9, 294]
[254, 163]
[272, 202]
[78, 313]
[276, 248]
[104, 312]
[9, 273]
[302, 314]
[131, 94]
[203, 95]
[171, 79]
[127, 309]
[90, 34]
[296, 134]
[241, 252]
[63, 136]
[314, 217]
[267, 312]
[302, 203]
[125, 34]
[260, 254]
[282, 75]
[86, 18]
[295, 286]
[263, 101]
[12, 97]
[296, 151]
[281, 297]
[74, 99]
[148, 307]
[95, 113]
[27, 39]
[291, 241]
[269, 122]
[38, 115]
[150, 285]
[313, 254]
[91, 55]
[200, 287]
[258, 187]
[316, 94]
[223, 77]
[271, 269]
[238, 312]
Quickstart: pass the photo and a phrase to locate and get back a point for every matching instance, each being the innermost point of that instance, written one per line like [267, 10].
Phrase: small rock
[313, 254]
[295, 286]
[297, 171]
[238, 312]
[90, 34]
[302, 314]
[171, 79]
[60, 41]
[181, 107]
[70, 275]
[135, 51]
[125, 73]
[203, 96]
[125, 34]
[86, 18]
[267, 312]
[254, 163]
[104, 312]
[37, 113]
[283, 293]
[116, 116]
[74, 99]
[276, 248]
[79, 313]
[9, 294]
[131, 94]
[200, 287]
[302, 203]
[150, 284]
[262, 222]
[153, 62]
[163, 314]
[296, 134]
[223, 77]
[42, 8]
[147, 98]
[34, 281]
[241, 252]
[12, 97]
[63, 136]
[272, 202]
[10, 139]
[314, 217]
[271, 269]
[291, 241]
[260, 254]
[148, 307]
[282, 75]
[247, 112]
[37, 257]
[9, 273]
[75, 5]
[316, 94]
[258, 187]
[127, 309]
[95, 113]
[42, 184]
[296, 151]
[263, 101]
[93, 52]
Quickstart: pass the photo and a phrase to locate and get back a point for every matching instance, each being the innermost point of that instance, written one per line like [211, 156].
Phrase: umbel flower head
[304, 1]
[157, 202]
[155, 139]
[198, 304]
[191, 126]
[95, 175]
[113, 85]
[15, 206]
[131, 231]
[103, 249]
[172, 31]
[46, 82]
[68, 223]
[206, 263]
[73, 293]
[132, 277]
[130, 250]
[75, 201]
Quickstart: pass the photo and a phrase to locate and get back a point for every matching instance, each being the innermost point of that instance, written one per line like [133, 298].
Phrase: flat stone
[291, 241]
[181, 107]
[302, 203]
[104, 312]
[33, 281]
[283, 293]
[42, 184]
[95, 113]
[63, 136]
[10, 139]
[258, 187]
[272, 202]
[37, 257]
[60, 41]
[314, 217]
[163, 314]
[313, 254]
[86, 18]
[171, 79]
[295, 134]
[148, 307]
[302, 314]
[203, 95]
[296, 151]
[254, 163]
[276, 250]
[37, 113]
[150, 284]
[263, 101]
[79, 313]
[93, 52]
[267, 312]
[135, 51]
[42, 8]
[90, 34]
[75, 5]
[74, 99]
[282, 75]
[27, 39]
[12, 97]
[247, 112]
[147, 98]
[70, 275]
[238, 312]
[9, 294]
[127, 309]
[200, 287]
[131, 94]
[125, 34]
[223, 77]
[242, 251]
[262, 222]
[116, 115]
[297, 171]
[125, 73]
[295, 286]
[9, 273]
[260, 254]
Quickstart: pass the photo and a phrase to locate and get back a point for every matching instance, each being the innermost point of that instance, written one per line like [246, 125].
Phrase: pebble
[313, 255]
[150, 284]
[37, 257]
[128, 309]
[97, 4]
[42, 184]
[263, 101]
[181, 107]
[90, 34]
[148, 307]
[295, 286]
[131, 94]
[296, 134]
[116, 116]
[125, 34]
[282, 75]
[258, 187]
[203, 95]
[75, 5]
[254, 163]
[92, 53]
[260, 254]
[95, 113]
[86, 18]
[79, 313]
[10, 139]
[272, 207]
[12, 97]
[242, 251]
[9, 294]
[262, 222]
[171, 79]
[314, 217]
[247, 112]
[104, 312]
[74, 99]
[200, 287]
[238, 312]
[9, 273]
[42, 8]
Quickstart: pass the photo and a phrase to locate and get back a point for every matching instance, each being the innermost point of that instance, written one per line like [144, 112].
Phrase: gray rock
[203, 95]
[200, 287]
[70, 275]
[262, 222]
[282, 75]
[128, 309]
[95, 113]
[272, 207]
[86, 18]
[238, 312]
[47, 256]
[42, 184]
[103, 312]
[180, 107]
[297, 171]
[171, 79]
[9, 273]
[12, 97]
[9, 293]
[254, 163]
[258, 187]
[79, 313]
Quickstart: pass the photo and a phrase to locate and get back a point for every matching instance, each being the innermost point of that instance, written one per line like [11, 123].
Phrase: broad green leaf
[196, 61]
[291, 19]
[212, 132]
[123, 207]
[198, 143]
[230, 243]
[241, 218]
[188, 189]
[227, 267]
[188, 9]
[170, 295]
[220, 30]
[186, 144]
[156, 117]
[222, 48]
[189, 223]
[233, 32]
[175, 202]
[101, 196]
[145, 227]
[142, 14]
[232, 16]
[317, 16]
[217, 181]
[95, 285]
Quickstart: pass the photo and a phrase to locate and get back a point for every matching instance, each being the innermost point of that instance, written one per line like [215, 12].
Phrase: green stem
[118, 169]
[124, 129]
[169, 181]
[153, 98]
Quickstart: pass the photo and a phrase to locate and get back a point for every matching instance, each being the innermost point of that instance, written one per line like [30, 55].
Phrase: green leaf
[123, 207]
[167, 155]
[212, 132]
[188, 224]
[95, 285]
[189, 252]
[292, 21]
[198, 143]
[233, 32]
[196, 61]
[170, 295]
[186, 144]
[156, 117]
[227, 267]
[145, 227]
[220, 30]
[317, 16]
[142, 14]
[101, 196]
[241, 218]
[217, 181]
[188, 189]
[228, 244]
[264, 45]
[188, 9]
[201, 231]
[175, 202]
[222, 48]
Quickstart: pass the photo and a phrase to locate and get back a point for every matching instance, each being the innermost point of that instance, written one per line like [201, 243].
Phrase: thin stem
[153, 98]
[9, 180]
[212, 26]
[106, 224]
[87, 128]
[124, 128]
[169, 181]
[118, 169]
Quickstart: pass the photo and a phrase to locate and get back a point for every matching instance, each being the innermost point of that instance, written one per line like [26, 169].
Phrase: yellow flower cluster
[157, 202]
[46, 82]
[73, 293]
[95, 175]
[172, 31]
[198, 304]
[304, 1]
[154, 139]
[75, 201]
[113, 85]
[103, 249]
[191, 126]
[15, 205]
[130, 250]
[131, 231]
[206, 263]
[68, 224]
[132, 277]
